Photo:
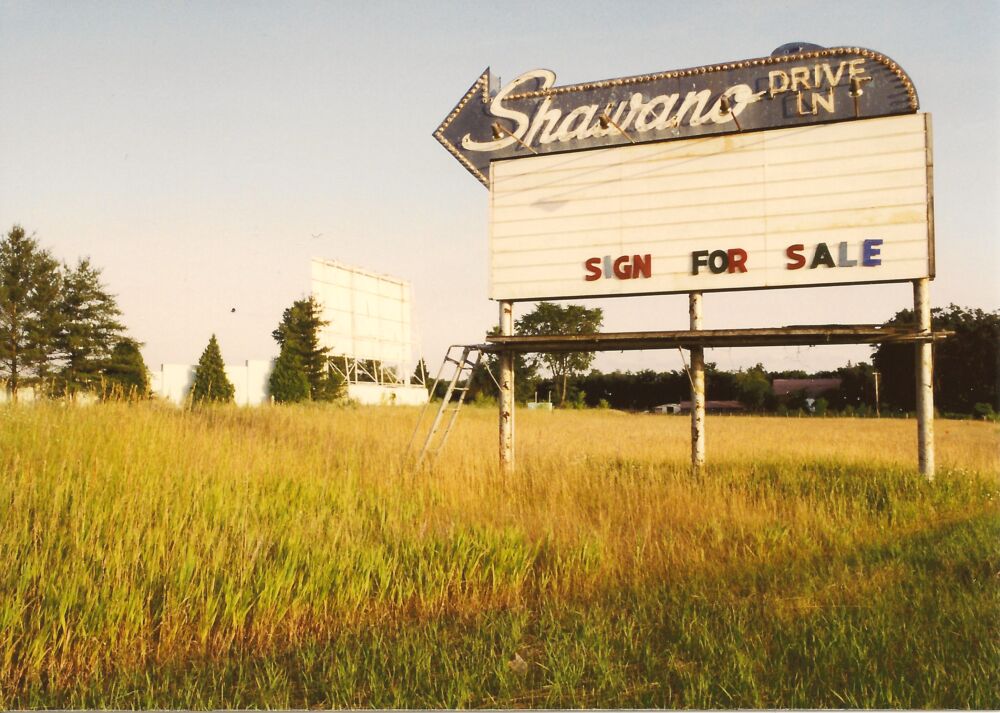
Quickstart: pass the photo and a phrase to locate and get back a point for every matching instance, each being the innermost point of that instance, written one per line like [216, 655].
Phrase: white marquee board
[369, 314]
[744, 210]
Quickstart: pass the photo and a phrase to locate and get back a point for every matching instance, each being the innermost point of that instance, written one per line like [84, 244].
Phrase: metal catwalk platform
[706, 338]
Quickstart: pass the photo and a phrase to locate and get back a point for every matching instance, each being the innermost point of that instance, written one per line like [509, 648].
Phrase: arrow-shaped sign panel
[531, 115]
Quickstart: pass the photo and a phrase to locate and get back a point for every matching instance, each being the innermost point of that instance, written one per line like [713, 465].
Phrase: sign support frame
[699, 103]
[697, 339]
[506, 400]
[697, 386]
[924, 379]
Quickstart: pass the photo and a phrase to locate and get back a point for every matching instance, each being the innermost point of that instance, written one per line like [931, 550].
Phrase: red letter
[737, 260]
[620, 272]
[642, 266]
[594, 272]
[797, 260]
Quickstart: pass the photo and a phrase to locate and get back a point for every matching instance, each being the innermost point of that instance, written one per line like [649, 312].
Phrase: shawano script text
[665, 111]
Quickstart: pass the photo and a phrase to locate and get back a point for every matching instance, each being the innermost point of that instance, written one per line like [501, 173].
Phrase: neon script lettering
[635, 113]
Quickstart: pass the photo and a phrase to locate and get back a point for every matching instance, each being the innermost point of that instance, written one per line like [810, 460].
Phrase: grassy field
[282, 557]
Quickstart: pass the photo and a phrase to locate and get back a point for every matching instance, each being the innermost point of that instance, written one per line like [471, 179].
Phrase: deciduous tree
[753, 387]
[966, 365]
[549, 318]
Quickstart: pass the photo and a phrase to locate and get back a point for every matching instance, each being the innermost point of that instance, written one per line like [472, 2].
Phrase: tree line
[61, 334]
[966, 372]
[303, 370]
[60, 329]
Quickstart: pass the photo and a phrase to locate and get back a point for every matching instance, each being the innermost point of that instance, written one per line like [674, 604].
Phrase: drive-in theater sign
[808, 167]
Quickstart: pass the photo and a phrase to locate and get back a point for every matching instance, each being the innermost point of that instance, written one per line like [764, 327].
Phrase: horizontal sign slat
[839, 203]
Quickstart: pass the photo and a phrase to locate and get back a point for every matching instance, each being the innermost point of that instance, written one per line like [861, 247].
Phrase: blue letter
[870, 252]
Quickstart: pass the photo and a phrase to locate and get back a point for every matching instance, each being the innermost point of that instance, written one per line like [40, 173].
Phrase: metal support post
[506, 379]
[925, 379]
[697, 387]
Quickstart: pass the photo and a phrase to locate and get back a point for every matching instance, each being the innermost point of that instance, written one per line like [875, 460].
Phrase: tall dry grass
[284, 557]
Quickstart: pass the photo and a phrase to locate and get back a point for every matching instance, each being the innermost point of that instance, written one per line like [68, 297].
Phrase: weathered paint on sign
[814, 205]
[530, 115]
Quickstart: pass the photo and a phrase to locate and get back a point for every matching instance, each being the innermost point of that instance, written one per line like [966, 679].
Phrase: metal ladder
[471, 355]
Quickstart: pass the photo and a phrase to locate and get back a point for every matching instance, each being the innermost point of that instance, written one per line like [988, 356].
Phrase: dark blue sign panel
[531, 115]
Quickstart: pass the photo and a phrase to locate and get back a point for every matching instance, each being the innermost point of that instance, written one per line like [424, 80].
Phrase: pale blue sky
[192, 149]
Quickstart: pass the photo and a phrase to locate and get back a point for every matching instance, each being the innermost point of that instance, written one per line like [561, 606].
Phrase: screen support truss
[356, 371]
[696, 340]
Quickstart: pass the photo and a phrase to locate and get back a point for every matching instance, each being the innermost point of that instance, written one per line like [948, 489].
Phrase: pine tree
[211, 385]
[333, 385]
[288, 383]
[44, 332]
[126, 376]
[299, 333]
[29, 292]
[88, 329]
[420, 375]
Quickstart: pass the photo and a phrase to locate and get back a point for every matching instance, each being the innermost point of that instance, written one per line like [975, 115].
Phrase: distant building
[810, 388]
[710, 407]
[25, 394]
[172, 382]
[368, 334]
[539, 405]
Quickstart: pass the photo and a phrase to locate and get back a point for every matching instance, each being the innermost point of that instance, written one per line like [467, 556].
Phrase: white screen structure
[369, 314]
[839, 203]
